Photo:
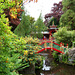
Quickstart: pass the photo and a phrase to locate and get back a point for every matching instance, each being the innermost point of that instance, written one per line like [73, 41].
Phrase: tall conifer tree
[23, 28]
[39, 26]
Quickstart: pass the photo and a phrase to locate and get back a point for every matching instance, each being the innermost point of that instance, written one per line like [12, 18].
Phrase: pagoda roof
[53, 26]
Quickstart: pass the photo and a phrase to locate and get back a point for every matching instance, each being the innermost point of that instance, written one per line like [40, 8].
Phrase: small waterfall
[45, 67]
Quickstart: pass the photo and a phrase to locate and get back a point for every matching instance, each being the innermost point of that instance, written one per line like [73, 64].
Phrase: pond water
[50, 67]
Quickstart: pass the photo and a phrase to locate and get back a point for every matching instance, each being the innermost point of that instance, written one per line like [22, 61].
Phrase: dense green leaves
[68, 20]
[14, 51]
[23, 28]
[38, 27]
[68, 4]
[65, 36]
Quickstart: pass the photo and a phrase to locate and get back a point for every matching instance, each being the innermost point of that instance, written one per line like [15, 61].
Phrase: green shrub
[16, 53]
[64, 36]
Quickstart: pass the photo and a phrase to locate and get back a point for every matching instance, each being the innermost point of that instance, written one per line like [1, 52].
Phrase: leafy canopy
[39, 26]
[68, 18]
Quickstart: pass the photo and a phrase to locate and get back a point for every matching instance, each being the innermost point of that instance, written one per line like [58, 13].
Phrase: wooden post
[60, 46]
[45, 45]
[51, 45]
[63, 47]
[50, 38]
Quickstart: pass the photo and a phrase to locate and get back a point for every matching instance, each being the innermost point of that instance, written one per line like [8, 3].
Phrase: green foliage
[64, 36]
[23, 28]
[68, 4]
[32, 20]
[73, 43]
[68, 20]
[5, 40]
[39, 63]
[53, 20]
[6, 4]
[64, 58]
[61, 58]
[16, 53]
[39, 27]
[55, 55]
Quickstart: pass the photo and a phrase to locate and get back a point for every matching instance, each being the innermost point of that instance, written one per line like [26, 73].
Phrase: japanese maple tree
[56, 12]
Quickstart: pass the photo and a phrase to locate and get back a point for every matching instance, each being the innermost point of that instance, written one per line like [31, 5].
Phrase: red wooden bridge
[50, 45]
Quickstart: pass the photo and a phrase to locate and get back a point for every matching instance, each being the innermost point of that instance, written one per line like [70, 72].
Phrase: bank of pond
[54, 64]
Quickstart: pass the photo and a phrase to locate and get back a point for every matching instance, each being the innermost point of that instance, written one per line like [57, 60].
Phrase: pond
[50, 67]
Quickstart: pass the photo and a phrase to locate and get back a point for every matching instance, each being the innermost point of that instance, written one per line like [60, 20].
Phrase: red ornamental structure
[52, 29]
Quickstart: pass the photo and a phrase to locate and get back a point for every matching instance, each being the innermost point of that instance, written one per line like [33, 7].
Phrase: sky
[42, 6]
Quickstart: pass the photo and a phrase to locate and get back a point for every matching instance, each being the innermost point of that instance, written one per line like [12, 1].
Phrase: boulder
[71, 54]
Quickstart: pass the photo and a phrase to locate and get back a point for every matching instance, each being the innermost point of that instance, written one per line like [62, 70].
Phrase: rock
[70, 57]
[71, 54]
[73, 57]
[72, 50]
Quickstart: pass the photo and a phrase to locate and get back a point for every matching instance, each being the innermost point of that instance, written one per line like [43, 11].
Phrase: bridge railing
[49, 43]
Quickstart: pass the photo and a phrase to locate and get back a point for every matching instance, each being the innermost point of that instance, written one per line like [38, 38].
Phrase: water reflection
[60, 70]
[50, 67]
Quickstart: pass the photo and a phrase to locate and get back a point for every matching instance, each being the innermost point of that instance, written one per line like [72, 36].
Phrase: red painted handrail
[49, 42]
[50, 48]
